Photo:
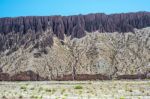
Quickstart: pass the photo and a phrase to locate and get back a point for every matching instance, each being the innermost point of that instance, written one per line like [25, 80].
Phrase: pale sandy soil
[76, 90]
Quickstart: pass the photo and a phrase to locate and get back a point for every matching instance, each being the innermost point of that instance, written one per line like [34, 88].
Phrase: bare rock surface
[82, 47]
[95, 56]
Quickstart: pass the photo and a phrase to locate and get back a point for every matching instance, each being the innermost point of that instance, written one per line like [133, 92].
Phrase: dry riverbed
[76, 90]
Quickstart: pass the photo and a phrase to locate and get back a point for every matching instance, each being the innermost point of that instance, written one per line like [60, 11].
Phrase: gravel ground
[76, 90]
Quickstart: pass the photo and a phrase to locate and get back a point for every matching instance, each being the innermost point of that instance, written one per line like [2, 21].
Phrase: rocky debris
[95, 56]
[4, 77]
[80, 77]
[27, 76]
[148, 75]
[22, 76]
[143, 76]
[1, 70]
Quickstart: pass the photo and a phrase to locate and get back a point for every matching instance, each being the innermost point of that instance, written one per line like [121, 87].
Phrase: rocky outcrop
[22, 76]
[27, 76]
[142, 76]
[81, 77]
[96, 56]
[26, 30]
[83, 47]
[4, 77]
[76, 25]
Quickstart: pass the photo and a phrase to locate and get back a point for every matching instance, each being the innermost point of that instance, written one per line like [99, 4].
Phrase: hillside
[81, 47]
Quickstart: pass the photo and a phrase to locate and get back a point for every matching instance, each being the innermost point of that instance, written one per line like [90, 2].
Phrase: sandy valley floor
[76, 90]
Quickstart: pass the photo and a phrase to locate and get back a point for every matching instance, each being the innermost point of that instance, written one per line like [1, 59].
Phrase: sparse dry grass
[75, 90]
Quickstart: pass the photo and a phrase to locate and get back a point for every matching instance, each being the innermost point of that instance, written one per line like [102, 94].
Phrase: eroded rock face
[80, 77]
[22, 76]
[83, 47]
[4, 77]
[27, 76]
[15, 32]
[76, 25]
[1, 70]
[142, 76]
[97, 55]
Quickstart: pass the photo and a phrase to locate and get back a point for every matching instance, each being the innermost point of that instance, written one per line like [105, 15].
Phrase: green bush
[48, 90]
[122, 97]
[78, 87]
[23, 87]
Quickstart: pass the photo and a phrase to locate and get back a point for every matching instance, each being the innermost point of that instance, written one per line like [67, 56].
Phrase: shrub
[23, 87]
[122, 97]
[34, 97]
[53, 91]
[78, 87]
[40, 89]
[32, 88]
[48, 90]
[4, 97]
[20, 97]
[62, 91]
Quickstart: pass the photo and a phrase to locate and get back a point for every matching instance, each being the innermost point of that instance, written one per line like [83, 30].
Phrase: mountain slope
[84, 47]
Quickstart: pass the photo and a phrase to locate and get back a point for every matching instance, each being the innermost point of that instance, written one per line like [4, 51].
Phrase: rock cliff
[82, 47]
